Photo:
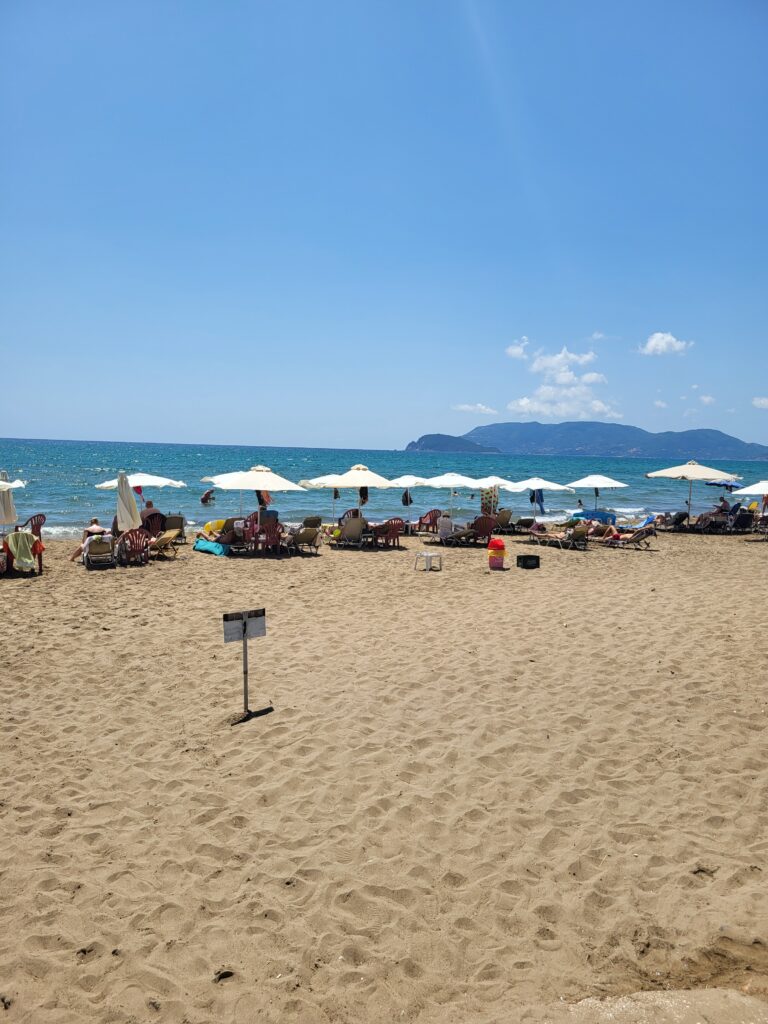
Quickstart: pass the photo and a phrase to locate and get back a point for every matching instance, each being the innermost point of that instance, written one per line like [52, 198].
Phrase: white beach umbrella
[361, 476]
[536, 483]
[454, 481]
[596, 481]
[141, 480]
[257, 478]
[754, 490]
[410, 481]
[690, 471]
[318, 483]
[128, 517]
[493, 481]
[8, 512]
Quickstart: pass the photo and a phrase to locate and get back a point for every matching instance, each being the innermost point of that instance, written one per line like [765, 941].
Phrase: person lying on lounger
[94, 529]
[226, 535]
[445, 526]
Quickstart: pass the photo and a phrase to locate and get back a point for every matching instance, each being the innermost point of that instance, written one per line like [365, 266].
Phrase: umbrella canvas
[690, 471]
[595, 482]
[141, 480]
[8, 514]
[128, 517]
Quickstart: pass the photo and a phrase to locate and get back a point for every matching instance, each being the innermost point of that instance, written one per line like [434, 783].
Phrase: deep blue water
[61, 478]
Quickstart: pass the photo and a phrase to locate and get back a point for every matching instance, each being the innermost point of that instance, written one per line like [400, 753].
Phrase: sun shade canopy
[360, 476]
[596, 480]
[761, 487]
[453, 480]
[128, 517]
[257, 478]
[493, 481]
[410, 481]
[141, 480]
[691, 471]
[535, 483]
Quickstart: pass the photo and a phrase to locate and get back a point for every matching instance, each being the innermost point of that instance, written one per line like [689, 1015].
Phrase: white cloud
[659, 404]
[596, 336]
[690, 411]
[760, 403]
[517, 349]
[694, 387]
[478, 409]
[662, 344]
[706, 399]
[560, 361]
[564, 393]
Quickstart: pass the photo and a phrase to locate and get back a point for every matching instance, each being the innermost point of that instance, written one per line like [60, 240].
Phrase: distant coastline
[593, 439]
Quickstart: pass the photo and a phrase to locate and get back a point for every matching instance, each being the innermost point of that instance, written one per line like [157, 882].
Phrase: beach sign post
[245, 626]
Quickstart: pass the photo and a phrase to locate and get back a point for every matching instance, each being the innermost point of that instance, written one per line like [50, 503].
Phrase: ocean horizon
[62, 474]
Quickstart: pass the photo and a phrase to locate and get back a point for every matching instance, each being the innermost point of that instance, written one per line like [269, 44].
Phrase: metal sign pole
[245, 664]
[243, 626]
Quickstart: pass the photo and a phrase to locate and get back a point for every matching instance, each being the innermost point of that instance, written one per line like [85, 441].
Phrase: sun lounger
[677, 523]
[164, 546]
[742, 522]
[177, 523]
[476, 532]
[99, 551]
[354, 533]
[503, 520]
[574, 539]
[638, 539]
[761, 526]
[522, 524]
[308, 538]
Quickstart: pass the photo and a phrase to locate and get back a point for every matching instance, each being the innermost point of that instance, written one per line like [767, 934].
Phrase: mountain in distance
[597, 439]
[449, 443]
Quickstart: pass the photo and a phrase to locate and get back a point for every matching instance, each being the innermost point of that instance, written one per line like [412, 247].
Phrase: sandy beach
[480, 797]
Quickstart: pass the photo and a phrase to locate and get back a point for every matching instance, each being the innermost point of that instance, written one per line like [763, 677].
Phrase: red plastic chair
[271, 536]
[133, 547]
[35, 526]
[428, 521]
[389, 532]
[154, 524]
[483, 528]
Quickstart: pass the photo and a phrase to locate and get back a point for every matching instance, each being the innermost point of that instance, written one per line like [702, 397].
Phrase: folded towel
[21, 544]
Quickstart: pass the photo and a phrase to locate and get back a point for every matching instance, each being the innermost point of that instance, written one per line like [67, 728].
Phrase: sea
[61, 479]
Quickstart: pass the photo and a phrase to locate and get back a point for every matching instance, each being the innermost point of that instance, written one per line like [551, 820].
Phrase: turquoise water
[61, 478]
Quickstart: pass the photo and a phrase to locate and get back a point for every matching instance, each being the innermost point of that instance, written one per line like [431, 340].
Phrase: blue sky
[352, 223]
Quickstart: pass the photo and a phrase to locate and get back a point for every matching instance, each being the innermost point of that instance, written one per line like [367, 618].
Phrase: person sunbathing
[446, 527]
[94, 529]
[226, 535]
[602, 531]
